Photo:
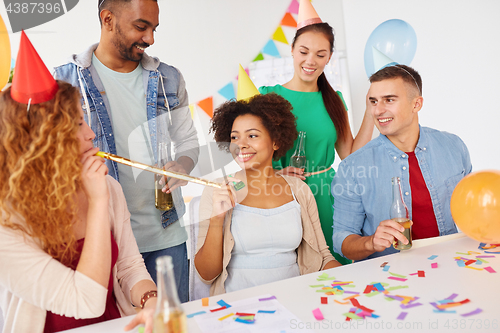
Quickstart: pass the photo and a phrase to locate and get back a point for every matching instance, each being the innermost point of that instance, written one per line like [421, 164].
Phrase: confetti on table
[396, 278]
[497, 252]
[478, 310]
[432, 257]
[402, 315]
[407, 306]
[218, 309]
[222, 303]
[469, 262]
[374, 293]
[204, 301]
[434, 265]
[485, 257]
[249, 318]
[352, 315]
[339, 302]
[460, 263]
[465, 254]
[191, 315]
[472, 252]
[379, 286]
[317, 314]
[395, 288]
[239, 320]
[316, 285]
[243, 314]
[351, 292]
[477, 269]
[489, 269]
[397, 275]
[413, 274]
[349, 297]
[444, 311]
[421, 274]
[386, 268]
[267, 299]
[324, 300]
[266, 311]
[368, 289]
[354, 302]
[383, 265]
[452, 296]
[226, 316]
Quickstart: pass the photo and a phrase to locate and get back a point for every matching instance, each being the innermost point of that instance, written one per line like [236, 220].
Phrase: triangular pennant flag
[191, 108]
[289, 21]
[380, 60]
[294, 7]
[259, 57]
[227, 91]
[246, 88]
[207, 105]
[271, 49]
[279, 36]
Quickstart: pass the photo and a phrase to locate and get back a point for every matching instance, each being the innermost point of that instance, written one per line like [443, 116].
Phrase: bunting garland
[270, 50]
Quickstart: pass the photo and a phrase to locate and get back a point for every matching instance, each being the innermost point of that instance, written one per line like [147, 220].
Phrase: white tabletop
[480, 287]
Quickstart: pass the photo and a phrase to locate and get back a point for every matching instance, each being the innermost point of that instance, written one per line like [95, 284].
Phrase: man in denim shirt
[429, 163]
[135, 103]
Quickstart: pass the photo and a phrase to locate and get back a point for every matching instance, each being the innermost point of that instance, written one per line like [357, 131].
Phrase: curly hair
[40, 169]
[275, 113]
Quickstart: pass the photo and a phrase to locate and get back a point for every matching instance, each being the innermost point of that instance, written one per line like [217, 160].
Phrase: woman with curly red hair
[67, 251]
[270, 229]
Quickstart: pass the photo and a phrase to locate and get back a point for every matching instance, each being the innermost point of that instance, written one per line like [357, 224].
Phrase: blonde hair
[40, 169]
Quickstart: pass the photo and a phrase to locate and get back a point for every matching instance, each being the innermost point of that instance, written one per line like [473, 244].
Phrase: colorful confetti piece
[396, 278]
[402, 315]
[191, 315]
[324, 300]
[434, 265]
[267, 299]
[222, 303]
[478, 310]
[317, 314]
[226, 316]
[489, 269]
[204, 301]
[432, 257]
[421, 274]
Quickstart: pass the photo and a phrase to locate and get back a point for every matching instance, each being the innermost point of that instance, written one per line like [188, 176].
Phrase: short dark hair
[110, 5]
[274, 111]
[406, 73]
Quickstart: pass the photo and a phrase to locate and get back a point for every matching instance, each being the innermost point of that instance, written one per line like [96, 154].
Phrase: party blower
[153, 169]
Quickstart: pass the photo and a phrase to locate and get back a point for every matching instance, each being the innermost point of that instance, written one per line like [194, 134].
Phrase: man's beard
[125, 51]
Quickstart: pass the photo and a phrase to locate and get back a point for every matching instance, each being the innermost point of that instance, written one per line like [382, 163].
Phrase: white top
[265, 241]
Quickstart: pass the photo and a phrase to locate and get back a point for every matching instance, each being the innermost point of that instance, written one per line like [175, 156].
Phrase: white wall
[457, 52]
[457, 56]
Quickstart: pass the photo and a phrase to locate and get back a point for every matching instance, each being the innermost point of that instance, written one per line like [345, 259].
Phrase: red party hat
[32, 82]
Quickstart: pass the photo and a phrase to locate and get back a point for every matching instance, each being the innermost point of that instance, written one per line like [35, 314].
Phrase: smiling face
[84, 134]
[251, 145]
[394, 107]
[134, 26]
[311, 53]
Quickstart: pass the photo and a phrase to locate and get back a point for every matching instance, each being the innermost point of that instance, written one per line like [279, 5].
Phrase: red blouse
[56, 323]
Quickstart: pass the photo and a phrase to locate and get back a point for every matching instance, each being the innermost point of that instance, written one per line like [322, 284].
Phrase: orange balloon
[5, 56]
[475, 206]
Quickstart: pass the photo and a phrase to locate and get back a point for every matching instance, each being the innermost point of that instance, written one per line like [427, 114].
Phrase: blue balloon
[394, 41]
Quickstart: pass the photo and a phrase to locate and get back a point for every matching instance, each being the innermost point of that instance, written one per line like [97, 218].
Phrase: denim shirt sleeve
[348, 209]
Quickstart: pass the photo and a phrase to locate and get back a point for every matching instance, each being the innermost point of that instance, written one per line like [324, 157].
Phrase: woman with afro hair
[269, 230]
